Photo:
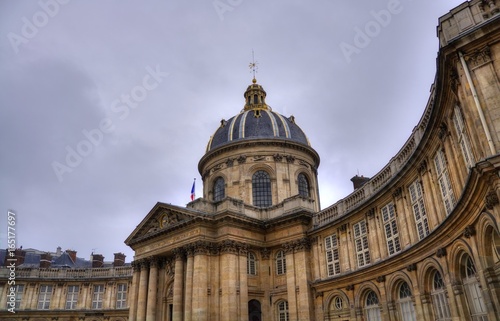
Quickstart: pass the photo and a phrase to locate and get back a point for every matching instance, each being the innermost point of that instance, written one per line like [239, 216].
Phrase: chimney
[72, 255]
[119, 259]
[359, 181]
[58, 251]
[45, 260]
[18, 255]
[97, 260]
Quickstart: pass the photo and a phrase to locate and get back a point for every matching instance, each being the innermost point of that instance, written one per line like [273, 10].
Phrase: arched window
[254, 310]
[477, 308]
[372, 309]
[219, 189]
[261, 189]
[251, 264]
[303, 185]
[283, 311]
[439, 300]
[406, 308]
[280, 263]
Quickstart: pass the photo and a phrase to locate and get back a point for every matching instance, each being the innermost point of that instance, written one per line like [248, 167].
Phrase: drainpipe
[478, 104]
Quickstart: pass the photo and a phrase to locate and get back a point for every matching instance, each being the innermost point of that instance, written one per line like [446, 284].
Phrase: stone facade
[418, 241]
[76, 290]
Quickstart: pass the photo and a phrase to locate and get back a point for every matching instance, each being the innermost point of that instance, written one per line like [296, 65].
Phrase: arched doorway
[254, 312]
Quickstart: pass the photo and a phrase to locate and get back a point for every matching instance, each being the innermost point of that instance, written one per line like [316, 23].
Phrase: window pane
[261, 189]
[219, 192]
[303, 185]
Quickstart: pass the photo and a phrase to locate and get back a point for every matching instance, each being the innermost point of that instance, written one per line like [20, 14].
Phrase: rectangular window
[417, 204]
[391, 228]
[72, 297]
[332, 255]
[463, 139]
[361, 243]
[44, 297]
[97, 296]
[121, 296]
[19, 290]
[444, 181]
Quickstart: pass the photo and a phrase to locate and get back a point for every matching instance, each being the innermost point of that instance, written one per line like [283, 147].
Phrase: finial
[253, 67]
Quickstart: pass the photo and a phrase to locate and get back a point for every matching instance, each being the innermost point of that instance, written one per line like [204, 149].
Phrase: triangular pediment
[161, 217]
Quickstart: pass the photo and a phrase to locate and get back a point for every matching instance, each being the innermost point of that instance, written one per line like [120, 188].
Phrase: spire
[253, 67]
[255, 95]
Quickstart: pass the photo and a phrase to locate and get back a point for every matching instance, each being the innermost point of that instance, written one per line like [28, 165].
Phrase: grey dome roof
[257, 124]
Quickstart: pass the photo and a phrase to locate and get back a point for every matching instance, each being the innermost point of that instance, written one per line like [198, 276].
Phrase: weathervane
[253, 67]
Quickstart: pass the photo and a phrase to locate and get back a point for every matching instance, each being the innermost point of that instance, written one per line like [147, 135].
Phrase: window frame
[361, 243]
[303, 185]
[391, 230]
[72, 297]
[283, 312]
[251, 263]
[332, 255]
[121, 295]
[98, 296]
[262, 195]
[462, 137]
[444, 181]
[418, 207]
[280, 263]
[219, 189]
[44, 296]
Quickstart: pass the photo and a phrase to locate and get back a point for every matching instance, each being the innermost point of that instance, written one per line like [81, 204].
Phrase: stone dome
[257, 121]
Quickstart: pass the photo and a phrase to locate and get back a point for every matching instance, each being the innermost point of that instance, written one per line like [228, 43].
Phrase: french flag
[192, 191]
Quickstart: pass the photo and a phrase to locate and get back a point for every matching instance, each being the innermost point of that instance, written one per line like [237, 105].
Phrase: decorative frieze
[491, 200]
[441, 252]
[398, 192]
[422, 168]
[265, 253]
[298, 245]
[228, 246]
[443, 131]
[278, 158]
[479, 57]
[242, 159]
[469, 231]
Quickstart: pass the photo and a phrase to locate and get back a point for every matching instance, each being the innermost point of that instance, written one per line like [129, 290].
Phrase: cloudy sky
[106, 107]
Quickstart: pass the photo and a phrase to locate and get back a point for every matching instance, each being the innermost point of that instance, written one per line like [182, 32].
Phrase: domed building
[418, 241]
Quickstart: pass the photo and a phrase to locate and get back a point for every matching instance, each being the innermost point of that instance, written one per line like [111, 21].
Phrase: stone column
[188, 301]
[291, 285]
[200, 281]
[152, 289]
[426, 308]
[228, 279]
[178, 285]
[143, 291]
[432, 196]
[303, 294]
[108, 301]
[243, 281]
[134, 291]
